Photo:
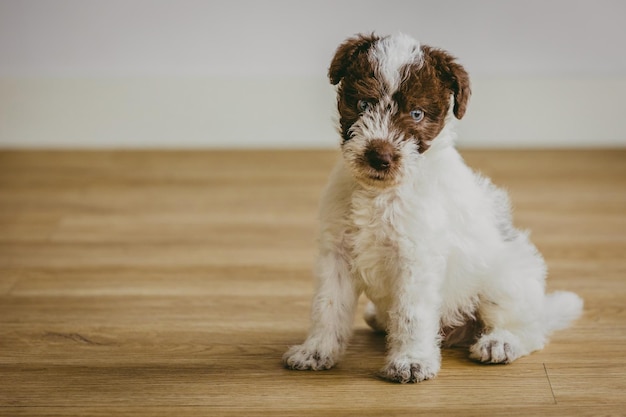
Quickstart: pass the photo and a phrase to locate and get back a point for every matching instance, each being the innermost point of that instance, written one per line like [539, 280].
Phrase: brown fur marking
[428, 87]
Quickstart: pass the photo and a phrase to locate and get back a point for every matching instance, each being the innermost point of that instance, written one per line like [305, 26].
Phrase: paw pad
[406, 373]
[301, 359]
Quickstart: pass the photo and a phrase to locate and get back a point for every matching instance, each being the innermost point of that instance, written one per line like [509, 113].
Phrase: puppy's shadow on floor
[368, 348]
[365, 355]
[365, 338]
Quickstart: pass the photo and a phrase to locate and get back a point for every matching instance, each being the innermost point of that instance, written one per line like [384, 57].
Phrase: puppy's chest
[380, 237]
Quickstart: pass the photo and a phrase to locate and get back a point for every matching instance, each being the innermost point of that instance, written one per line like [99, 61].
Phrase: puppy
[405, 221]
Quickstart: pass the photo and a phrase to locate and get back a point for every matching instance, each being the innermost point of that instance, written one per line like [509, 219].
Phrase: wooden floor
[170, 284]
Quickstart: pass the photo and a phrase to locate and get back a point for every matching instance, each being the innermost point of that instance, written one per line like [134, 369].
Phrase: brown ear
[453, 75]
[346, 53]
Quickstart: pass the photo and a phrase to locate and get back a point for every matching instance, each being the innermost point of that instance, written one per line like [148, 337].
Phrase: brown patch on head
[453, 75]
[423, 91]
[353, 71]
[346, 56]
[428, 88]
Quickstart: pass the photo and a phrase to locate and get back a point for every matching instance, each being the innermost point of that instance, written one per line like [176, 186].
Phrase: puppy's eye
[363, 105]
[417, 115]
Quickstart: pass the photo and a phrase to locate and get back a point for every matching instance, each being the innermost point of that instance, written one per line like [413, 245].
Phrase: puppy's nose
[380, 161]
[380, 155]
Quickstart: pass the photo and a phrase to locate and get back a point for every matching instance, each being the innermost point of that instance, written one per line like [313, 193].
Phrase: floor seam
[550, 383]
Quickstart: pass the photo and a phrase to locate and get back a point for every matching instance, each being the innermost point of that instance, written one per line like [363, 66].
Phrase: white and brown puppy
[404, 220]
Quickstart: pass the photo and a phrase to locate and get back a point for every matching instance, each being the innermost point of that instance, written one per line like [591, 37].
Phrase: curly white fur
[432, 250]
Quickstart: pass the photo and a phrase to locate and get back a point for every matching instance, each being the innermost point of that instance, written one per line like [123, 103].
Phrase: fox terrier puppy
[405, 221]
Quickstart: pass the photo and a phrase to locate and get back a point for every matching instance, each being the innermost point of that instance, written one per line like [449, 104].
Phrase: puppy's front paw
[410, 371]
[492, 349]
[302, 358]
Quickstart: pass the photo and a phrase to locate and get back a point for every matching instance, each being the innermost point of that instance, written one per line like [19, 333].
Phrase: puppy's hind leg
[512, 306]
[504, 344]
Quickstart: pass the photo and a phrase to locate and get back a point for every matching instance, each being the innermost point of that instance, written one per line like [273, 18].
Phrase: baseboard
[278, 112]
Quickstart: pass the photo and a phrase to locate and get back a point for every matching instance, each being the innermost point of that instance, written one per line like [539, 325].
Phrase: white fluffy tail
[560, 309]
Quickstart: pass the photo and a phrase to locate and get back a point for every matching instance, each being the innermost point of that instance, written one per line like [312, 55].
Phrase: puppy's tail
[561, 308]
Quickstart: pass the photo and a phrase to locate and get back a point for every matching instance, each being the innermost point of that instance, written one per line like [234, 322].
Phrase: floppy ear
[453, 75]
[345, 53]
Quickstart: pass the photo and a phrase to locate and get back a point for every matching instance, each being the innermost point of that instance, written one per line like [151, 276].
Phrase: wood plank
[170, 283]
[355, 411]
[223, 385]
[8, 279]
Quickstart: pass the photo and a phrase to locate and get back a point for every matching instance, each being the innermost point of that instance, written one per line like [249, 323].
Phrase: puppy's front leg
[332, 317]
[413, 334]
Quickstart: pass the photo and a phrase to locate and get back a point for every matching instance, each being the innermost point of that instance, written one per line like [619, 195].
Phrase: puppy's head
[393, 98]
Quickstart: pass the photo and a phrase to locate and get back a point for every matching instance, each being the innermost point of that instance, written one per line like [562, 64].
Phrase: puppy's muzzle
[380, 155]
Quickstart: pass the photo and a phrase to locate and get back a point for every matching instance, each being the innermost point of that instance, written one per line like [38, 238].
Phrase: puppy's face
[393, 99]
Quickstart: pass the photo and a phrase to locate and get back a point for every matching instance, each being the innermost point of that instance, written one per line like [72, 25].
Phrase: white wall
[247, 73]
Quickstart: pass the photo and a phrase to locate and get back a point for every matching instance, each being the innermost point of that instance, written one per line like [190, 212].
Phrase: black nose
[379, 159]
